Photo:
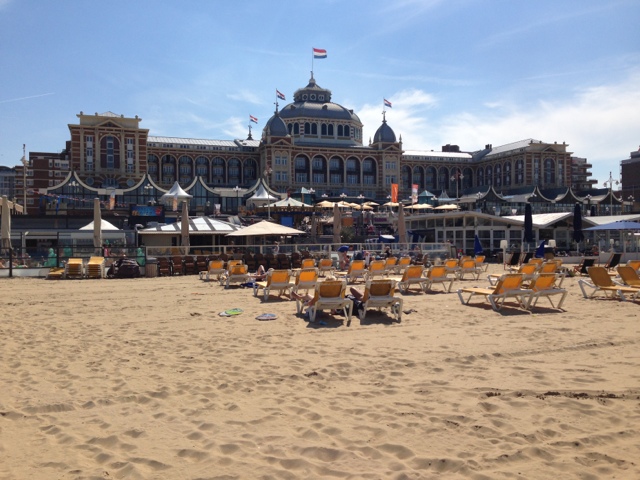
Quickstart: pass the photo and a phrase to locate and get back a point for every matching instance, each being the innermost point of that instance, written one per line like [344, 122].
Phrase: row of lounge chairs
[626, 284]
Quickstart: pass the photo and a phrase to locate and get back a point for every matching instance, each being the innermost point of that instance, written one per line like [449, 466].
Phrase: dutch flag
[387, 103]
[319, 53]
[280, 95]
[253, 119]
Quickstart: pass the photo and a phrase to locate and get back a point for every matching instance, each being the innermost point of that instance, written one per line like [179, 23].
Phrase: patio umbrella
[337, 223]
[540, 250]
[265, 228]
[448, 206]
[325, 204]
[97, 224]
[528, 223]
[6, 223]
[184, 228]
[578, 236]
[402, 227]
[477, 246]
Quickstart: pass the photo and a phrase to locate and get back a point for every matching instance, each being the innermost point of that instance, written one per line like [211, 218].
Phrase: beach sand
[142, 379]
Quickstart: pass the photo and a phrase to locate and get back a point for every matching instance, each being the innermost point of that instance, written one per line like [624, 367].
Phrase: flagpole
[312, 57]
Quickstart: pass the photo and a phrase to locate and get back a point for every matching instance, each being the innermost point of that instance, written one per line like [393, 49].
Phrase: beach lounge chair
[513, 260]
[356, 270]
[480, 262]
[583, 267]
[613, 261]
[215, 268]
[380, 294]
[601, 281]
[325, 265]
[376, 269]
[468, 267]
[509, 286]
[390, 264]
[237, 274]
[164, 267]
[234, 261]
[55, 273]
[527, 270]
[402, 264]
[296, 260]
[635, 264]
[452, 267]
[189, 265]
[329, 295]
[413, 275]
[306, 280]
[438, 275]
[544, 285]
[277, 280]
[629, 276]
[307, 263]
[74, 268]
[95, 267]
[177, 265]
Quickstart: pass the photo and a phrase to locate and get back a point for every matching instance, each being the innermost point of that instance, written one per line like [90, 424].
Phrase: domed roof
[384, 134]
[275, 127]
[315, 102]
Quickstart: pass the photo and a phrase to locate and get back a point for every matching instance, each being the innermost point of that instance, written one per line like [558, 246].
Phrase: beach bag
[124, 268]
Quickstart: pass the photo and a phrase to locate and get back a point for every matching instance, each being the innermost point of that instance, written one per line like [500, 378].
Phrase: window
[549, 171]
[301, 178]
[88, 139]
[519, 171]
[318, 178]
[352, 179]
[301, 163]
[318, 163]
[390, 165]
[336, 178]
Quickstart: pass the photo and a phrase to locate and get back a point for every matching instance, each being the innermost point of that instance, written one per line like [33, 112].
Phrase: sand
[142, 379]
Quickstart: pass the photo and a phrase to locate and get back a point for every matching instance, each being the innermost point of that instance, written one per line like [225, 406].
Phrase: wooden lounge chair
[215, 268]
[277, 280]
[376, 269]
[74, 268]
[468, 267]
[438, 275]
[380, 294]
[95, 267]
[237, 274]
[629, 276]
[164, 267]
[509, 286]
[330, 295]
[413, 275]
[544, 285]
[601, 281]
[306, 280]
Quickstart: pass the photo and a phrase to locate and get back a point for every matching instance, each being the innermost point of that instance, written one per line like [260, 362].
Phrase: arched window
[296, 128]
[418, 177]
[347, 131]
[431, 179]
[519, 173]
[340, 130]
[330, 130]
[369, 172]
[314, 129]
[110, 152]
[443, 178]
[549, 172]
[480, 177]
[336, 171]
[406, 178]
[319, 170]
[488, 176]
[506, 174]
[185, 170]
[301, 166]
[353, 171]
[152, 166]
[235, 172]
[323, 129]
[168, 169]
[498, 176]
[250, 170]
[467, 180]
[307, 128]
[218, 174]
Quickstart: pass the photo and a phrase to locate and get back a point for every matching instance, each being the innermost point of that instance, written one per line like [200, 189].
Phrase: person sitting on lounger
[260, 274]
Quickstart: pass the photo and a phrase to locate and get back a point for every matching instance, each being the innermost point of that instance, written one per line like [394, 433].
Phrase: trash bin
[151, 267]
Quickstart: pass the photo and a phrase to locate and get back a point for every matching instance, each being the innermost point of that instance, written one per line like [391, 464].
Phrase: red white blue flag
[280, 95]
[319, 53]
[387, 103]
[253, 119]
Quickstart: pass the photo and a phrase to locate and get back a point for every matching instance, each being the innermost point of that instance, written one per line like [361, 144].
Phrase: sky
[462, 72]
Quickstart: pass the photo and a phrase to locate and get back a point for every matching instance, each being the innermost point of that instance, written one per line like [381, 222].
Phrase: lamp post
[631, 200]
[25, 164]
[611, 181]
[588, 199]
[237, 190]
[267, 172]
[457, 177]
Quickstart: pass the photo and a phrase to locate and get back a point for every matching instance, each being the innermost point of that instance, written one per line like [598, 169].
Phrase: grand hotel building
[311, 143]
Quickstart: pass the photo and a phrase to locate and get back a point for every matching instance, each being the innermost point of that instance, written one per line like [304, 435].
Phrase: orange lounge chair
[600, 281]
[413, 275]
[329, 295]
[380, 294]
[629, 276]
[306, 280]
[544, 285]
[376, 269]
[509, 286]
[438, 274]
[279, 280]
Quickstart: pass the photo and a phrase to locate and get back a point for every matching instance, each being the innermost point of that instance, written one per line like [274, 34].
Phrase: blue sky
[465, 72]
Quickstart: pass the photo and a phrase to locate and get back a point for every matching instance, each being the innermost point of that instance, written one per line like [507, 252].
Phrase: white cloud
[599, 123]
[246, 96]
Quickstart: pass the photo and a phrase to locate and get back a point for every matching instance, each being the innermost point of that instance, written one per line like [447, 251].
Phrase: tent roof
[262, 194]
[197, 225]
[104, 226]
[542, 220]
[176, 191]
[290, 202]
[265, 228]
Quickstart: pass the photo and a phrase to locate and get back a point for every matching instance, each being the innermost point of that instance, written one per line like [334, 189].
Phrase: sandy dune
[142, 379]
